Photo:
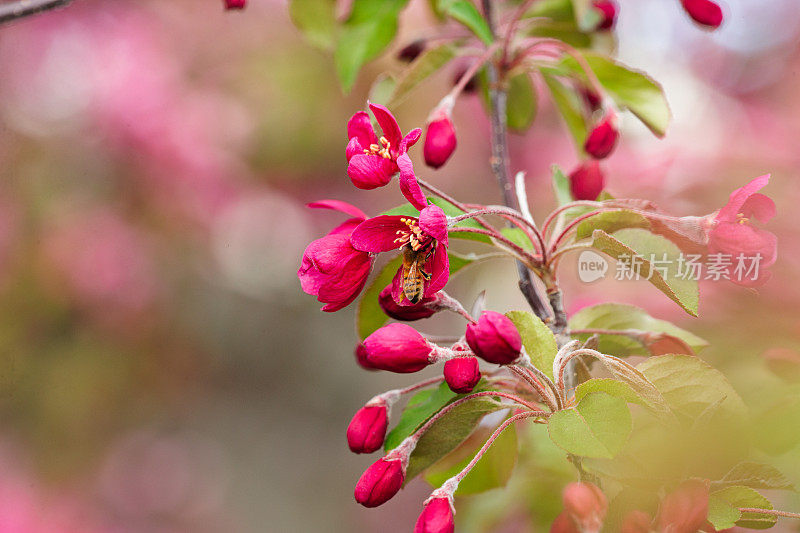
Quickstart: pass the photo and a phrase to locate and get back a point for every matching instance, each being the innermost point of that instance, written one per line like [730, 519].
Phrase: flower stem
[25, 8]
[499, 164]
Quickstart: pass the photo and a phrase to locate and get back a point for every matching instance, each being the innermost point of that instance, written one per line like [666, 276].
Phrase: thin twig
[25, 8]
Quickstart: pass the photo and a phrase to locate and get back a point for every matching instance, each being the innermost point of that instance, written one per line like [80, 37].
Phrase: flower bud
[587, 181]
[440, 139]
[564, 524]
[361, 357]
[408, 313]
[494, 338]
[636, 522]
[602, 139]
[235, 4]
[436, 517]
[380, 482]
[704, 12]
[411, 51]
[608, 10]
[685, 509]
[587, 505]
[367, 429]
[398, 348]
[462, 374]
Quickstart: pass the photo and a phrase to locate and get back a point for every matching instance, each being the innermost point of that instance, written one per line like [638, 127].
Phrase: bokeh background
[160, 368]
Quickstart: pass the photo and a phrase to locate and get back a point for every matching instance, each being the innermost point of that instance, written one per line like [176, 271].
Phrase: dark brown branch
[11, 11]
[499, 163]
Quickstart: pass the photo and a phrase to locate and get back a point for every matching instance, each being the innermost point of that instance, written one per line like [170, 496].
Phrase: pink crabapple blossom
[408, 313]
[636, 522]
[462, 374]
[398, 348]
[587, 181]
[704, 12]
[372, 161]
[586, 505]
[235, 4]
[603, 138]
[440, 138]
[494, 338]
[380, 482]
[436, 517]
[685, 509]
[367, 429]
[608, 10]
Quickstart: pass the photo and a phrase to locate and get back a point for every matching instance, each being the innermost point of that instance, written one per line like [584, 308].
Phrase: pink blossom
[367, 429]
[733, 233]
[494, 338]
[602, 139]
[424, 238]
[587, 181]
[704, 12]
[235, 4]
[331, 268]
[440, 139]
[372, 161]
[586, 505]
[407, 313]
[398, 348]
[608, 10]
[436, 517]
[685, 509]
[380, 482]
[462, 374]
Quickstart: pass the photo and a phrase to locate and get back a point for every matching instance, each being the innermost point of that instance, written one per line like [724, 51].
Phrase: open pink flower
[372, 161]
[733, 233]
[423, 242]
[332, 269]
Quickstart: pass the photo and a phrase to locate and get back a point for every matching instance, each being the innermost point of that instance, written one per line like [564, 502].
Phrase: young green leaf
[538, 340]
[316, 19]
[629, 88]
[723, 509]
[521, 103]
[493, 469]
[430, 61]
[615, 316]
[561, 186]
[598, 426]
[419, 408]
[690, 385]
[570, 108]
[518, 237]
[612, 387]
[467, 14]
[366, 33]
[610, 221]
[656, 260]
[754, 475]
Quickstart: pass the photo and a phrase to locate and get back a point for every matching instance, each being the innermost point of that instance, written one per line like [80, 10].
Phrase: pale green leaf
[316, 19]
[538, 340]
[430, 61]
[522, 102]
[723, 509]
[467, 14]
[598, 426]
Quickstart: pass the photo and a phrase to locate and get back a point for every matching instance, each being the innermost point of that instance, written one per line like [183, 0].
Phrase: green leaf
[756, 476]
[369, 315]
[623, 316]
[419, 408]
[381, 89]
[538, 340]
[521, 109]
[612, 387]
[598, 426]
[467, 14]
[448, 432]
[629, 88]
[493, 469]
[690, 385]
[561, 186]
[646, 246]
[610, 221]
[430, 61]
[723, 509]
[570, 108]
[366, 33]
[316, 19]
[518, 237]
[586, 16]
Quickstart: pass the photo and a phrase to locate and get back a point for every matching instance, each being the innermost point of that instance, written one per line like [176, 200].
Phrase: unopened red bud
[636, 522]
[704, 12]
[235, 4]
[407, 313]
[602, 139]
[398, 348]
[608, 10]
[685, 509]
[440, 140]
[361, 357]
[380, 482]
[436, 517]
[564, 524]
[411, 51]
[367, 429]
[587, 505]
[587, 181]
[494, 338]
[462, 374]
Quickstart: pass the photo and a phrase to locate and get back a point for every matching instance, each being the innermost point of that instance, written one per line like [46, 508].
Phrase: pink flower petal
[338, 205]
[760, 207]
[388, 124]
[378, 234]
[439, 270]
[410, 140]
[433, 221]
[734, 239]
[370, 171]
[409, 185]
[353, 148]
[346, 228]
[360, 127]
[739, 197]
[397, 288]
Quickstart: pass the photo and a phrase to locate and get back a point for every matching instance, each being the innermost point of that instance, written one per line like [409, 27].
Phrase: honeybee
[414, 275]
